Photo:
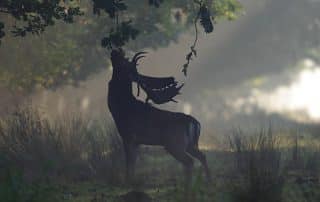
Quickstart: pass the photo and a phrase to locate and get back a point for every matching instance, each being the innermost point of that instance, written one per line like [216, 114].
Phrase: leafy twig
[206, 22]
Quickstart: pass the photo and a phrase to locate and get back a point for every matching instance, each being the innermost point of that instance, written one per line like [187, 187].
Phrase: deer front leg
[131, 150]
[179, 154]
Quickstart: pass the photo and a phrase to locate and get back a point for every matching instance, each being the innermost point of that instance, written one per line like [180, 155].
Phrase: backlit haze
[248, 71]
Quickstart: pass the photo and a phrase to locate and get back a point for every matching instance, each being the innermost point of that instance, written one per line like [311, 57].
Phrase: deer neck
[120, 95]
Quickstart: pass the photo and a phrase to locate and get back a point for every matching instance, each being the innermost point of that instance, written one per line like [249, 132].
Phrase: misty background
[261, 68]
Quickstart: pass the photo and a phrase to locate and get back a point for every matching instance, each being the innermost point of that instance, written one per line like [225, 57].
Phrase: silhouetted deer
[140, 123]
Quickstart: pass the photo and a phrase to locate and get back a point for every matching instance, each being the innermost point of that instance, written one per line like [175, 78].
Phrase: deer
[140, 123]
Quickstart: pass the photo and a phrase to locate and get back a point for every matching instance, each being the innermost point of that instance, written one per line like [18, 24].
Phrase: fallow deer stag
[140, 123]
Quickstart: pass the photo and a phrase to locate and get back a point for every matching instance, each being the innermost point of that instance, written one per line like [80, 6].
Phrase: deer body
[140, 123]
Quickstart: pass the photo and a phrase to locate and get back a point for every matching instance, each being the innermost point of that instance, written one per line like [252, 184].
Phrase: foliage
[111, 7]
[68, 54]
[118, 37]
[228, 9]
[123, 33]
[37, 15]
[63, 55]
[205, 19]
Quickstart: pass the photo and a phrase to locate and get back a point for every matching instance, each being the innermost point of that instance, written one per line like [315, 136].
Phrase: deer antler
[159, 89]
[138, 56]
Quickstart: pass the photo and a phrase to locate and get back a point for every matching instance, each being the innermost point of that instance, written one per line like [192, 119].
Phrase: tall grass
[71, 148]
[305, 157]
[258, 164]
[105, 153]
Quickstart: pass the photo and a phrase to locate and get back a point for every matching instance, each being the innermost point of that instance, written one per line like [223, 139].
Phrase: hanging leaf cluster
[189, 57]
[110, 7]
[206, 19]
[120, 36]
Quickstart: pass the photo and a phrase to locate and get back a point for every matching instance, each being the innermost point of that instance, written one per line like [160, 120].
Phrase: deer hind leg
[196, 153]
[187, 162]
[131, 151]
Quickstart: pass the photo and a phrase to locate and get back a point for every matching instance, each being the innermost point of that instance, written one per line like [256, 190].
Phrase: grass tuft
[257, 162]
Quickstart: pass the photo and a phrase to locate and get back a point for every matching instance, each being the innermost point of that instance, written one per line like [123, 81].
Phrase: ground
[159, 176]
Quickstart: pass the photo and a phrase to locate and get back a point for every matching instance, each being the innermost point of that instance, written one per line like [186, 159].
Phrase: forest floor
[160, 177]
[75, 160]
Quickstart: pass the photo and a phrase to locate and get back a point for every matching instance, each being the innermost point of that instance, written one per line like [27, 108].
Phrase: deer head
[123, 69]
[159, 90]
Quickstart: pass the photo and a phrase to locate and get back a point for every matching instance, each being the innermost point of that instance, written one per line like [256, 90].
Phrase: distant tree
[67, 54]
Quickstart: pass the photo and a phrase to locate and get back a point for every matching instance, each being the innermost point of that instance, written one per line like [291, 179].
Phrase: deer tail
[194, 133]
[197, 133]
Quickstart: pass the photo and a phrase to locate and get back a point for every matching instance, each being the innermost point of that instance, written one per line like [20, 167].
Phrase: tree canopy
[62, 41]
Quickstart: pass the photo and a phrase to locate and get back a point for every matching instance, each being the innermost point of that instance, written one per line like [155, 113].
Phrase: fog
[249, 71]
